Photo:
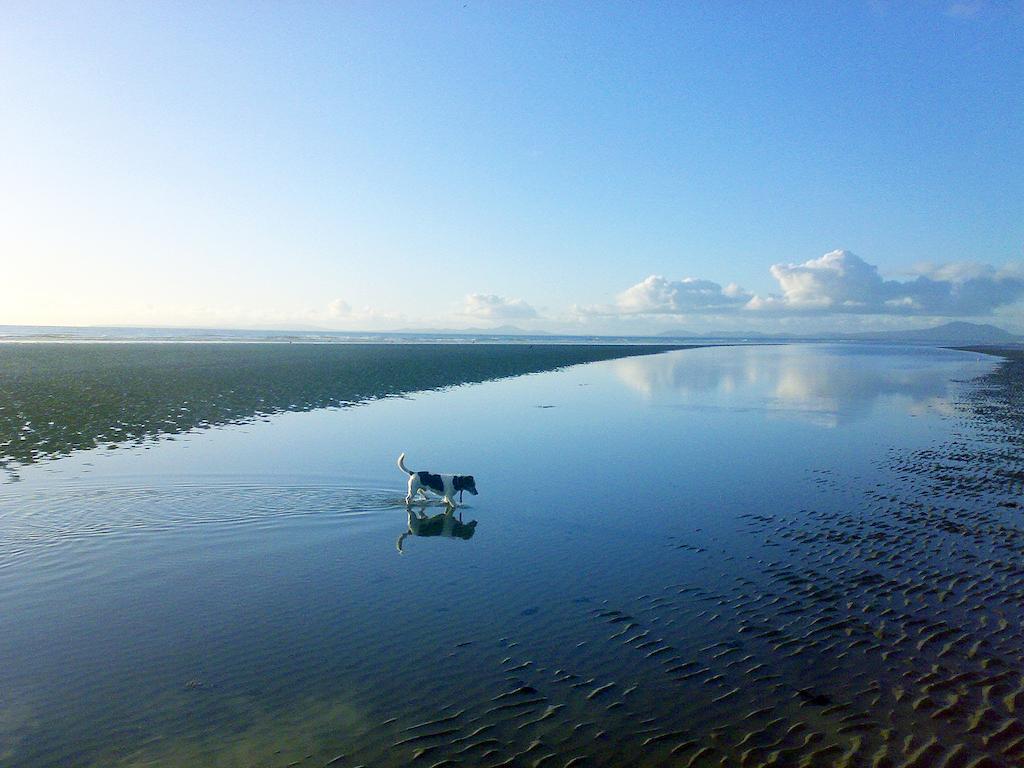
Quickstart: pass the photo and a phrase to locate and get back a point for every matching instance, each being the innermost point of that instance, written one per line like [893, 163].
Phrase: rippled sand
[886, 634]
[879, 625]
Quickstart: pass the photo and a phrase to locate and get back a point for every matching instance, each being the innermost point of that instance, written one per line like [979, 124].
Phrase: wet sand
[888, 633]
[58, 398]
[880, 624]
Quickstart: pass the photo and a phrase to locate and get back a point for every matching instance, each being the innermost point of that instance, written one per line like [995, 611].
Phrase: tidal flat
[751, 556]
[59, 397]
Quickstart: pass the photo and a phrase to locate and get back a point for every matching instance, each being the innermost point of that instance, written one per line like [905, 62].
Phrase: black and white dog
[445, 486]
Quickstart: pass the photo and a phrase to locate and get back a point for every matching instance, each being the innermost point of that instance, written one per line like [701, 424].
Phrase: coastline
[62, 397]
[871, 618]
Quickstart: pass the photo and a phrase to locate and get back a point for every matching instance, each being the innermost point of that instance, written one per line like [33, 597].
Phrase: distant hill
[958, 333]
[948, 333]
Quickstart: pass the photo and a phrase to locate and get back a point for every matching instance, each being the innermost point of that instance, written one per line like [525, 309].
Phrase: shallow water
[56, 398]
[235, 596]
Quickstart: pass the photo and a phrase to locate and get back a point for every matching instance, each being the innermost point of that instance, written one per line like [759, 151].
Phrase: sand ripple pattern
[883, 627]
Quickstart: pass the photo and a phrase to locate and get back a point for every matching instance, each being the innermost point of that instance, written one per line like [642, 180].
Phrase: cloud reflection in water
[826, 386]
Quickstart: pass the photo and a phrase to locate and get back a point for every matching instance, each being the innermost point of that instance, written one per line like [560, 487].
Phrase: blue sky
[593, 166]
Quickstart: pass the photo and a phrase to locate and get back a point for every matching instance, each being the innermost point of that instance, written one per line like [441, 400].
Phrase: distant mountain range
[949, 334]
[958, 333]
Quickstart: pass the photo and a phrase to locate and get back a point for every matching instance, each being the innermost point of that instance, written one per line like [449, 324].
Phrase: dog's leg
[411, 491]
[408, 533]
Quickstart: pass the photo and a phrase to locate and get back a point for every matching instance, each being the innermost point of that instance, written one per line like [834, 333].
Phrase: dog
[445, 486]
[444, 524]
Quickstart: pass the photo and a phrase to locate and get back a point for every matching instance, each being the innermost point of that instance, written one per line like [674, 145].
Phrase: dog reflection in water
[445, 524]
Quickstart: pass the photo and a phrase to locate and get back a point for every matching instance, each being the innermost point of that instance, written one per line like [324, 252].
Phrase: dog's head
[464, 530]
[465, 483]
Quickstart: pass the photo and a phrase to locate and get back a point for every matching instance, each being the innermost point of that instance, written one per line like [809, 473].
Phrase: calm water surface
[236, 596]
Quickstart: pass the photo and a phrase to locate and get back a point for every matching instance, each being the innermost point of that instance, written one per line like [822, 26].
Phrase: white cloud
[657, 295]
[841, 282]
[339, 308]
[340, 314]
[838, 280]
[487, 306]
[961, 271]
[838, 283]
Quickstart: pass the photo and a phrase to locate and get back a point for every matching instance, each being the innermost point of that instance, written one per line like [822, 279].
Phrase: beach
[777, 555]
[59, 397]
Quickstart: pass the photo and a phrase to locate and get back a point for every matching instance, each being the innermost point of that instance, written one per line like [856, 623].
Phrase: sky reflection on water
[825, 385]
[259, 561]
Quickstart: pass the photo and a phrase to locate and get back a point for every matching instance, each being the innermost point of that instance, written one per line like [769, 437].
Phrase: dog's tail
[401, 465]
